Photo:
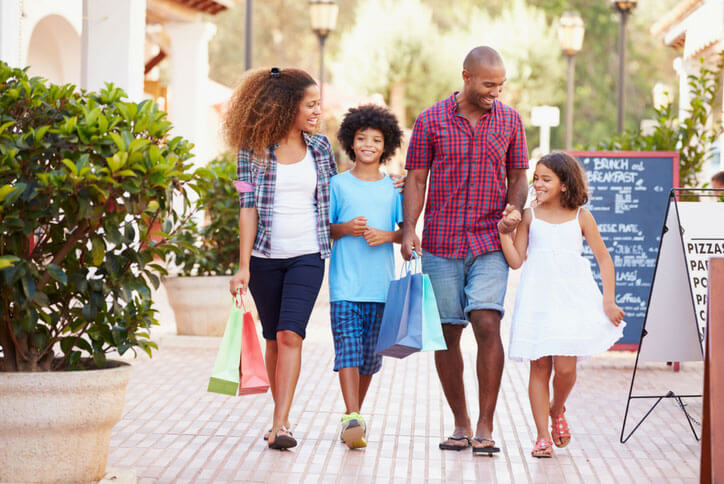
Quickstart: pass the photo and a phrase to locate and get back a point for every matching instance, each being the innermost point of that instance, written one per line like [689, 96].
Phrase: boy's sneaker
[354, 431]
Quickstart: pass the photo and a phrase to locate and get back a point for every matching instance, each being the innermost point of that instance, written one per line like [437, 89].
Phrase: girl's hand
[614, 313]
[511, 219]
[357, 226]
[240, 280]
[399, 182]
[376, 237]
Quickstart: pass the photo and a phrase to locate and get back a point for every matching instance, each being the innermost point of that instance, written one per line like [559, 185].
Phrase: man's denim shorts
[464, 285]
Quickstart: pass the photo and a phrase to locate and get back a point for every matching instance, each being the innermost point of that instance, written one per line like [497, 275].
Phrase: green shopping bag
[225, 376]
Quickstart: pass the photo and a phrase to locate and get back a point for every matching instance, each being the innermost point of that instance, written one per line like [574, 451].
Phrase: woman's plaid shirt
[468, 168]
[258, 181]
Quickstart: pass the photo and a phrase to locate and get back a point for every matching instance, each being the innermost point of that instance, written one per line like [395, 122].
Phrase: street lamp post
[323, 14]
[570, 37]
[247, 34]
[624, 8]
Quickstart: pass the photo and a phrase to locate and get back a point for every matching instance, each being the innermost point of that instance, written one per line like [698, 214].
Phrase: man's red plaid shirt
[468, 167]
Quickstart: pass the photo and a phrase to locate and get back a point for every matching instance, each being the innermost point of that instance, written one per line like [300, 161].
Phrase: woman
[284, 171]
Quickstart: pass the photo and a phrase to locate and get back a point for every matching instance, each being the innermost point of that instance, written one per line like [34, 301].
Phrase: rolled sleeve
[247, 198]
[517, 155]
[420, 151]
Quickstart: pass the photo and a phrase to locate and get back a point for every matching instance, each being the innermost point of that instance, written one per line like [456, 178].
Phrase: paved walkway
[173, 431]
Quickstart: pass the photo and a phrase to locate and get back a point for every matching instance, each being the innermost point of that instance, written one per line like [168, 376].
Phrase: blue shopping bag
[411, 321]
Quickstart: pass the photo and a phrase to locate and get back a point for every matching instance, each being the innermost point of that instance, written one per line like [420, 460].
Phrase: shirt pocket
[498, 144]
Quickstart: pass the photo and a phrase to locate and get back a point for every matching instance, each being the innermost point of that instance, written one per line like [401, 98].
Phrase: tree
[428, 62]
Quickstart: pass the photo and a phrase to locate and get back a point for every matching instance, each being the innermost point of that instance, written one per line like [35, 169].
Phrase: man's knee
[486, 324]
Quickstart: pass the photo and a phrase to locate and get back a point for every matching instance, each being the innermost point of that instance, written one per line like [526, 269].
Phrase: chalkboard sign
[628, 195]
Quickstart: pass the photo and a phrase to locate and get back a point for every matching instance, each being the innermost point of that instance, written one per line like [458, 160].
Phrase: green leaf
[8, 261]
[57, 274]
[118, 141]
[71, 166]
[98, 250]
[6, 190]
[41, 299]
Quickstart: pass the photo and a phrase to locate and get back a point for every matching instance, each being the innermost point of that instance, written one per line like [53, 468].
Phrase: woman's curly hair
[571, 174]
[375, 117]
[264, 107]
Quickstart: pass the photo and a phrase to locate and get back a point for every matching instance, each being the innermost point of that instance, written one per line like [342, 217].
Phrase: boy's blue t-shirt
[358, 272]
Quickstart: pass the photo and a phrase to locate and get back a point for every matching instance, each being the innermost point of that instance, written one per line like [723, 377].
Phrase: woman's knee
[287, 339]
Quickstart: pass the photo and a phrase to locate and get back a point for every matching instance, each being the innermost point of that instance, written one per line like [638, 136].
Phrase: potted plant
[83, 178]
[208, 255]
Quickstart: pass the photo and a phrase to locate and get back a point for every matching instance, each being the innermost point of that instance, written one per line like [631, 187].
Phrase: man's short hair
[718, 178]
[482, 55]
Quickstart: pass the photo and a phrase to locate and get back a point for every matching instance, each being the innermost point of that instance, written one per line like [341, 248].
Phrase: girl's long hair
[264, 108]
[571, 174]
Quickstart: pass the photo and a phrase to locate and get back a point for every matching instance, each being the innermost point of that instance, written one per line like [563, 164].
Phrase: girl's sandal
[543, 448]
[559, 429]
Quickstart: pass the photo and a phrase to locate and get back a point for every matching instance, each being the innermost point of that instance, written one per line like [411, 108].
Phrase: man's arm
[517, 193]
[413, 200]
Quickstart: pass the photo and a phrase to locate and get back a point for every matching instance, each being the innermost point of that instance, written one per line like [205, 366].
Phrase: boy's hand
[399, 182]
[357, 226]
[376, 237]
[511, 219]
[614, 313]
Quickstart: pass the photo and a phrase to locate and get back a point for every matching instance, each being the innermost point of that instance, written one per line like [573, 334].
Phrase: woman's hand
[614, 313]
[239, 281]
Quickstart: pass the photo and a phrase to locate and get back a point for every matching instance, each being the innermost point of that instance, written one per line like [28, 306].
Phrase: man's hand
[410, 242]
[511, 219]
[376, 237]
[356, 227]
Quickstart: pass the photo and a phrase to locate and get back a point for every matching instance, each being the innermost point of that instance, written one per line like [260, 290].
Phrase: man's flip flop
[444, 446]
[488, 449]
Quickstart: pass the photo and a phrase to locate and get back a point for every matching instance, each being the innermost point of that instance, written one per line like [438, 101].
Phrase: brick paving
[173, 431]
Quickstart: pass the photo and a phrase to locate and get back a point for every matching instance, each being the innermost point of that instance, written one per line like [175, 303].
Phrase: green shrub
[692, 136]
[212, 248]
[84, 177]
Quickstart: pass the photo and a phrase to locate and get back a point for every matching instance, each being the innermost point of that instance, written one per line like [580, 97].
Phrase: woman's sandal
[282, 441]
[560, 430]
[267, 434]
[543, 448]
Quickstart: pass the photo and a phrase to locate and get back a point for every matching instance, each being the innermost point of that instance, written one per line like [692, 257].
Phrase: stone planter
[56, 426]
[200, 304]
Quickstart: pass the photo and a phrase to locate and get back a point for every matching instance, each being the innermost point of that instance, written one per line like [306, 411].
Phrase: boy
[364, 211]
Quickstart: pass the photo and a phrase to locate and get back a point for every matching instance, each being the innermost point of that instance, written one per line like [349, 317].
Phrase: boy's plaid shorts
[355, 328]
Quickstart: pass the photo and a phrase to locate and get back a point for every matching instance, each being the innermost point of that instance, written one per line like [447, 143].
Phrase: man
[717, 181]
[471, 144]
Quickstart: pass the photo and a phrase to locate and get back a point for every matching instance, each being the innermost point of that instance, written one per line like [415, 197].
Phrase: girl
[560, 314]
[284, 171]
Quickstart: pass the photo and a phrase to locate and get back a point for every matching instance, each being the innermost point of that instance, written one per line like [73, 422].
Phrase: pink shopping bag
[252, 371]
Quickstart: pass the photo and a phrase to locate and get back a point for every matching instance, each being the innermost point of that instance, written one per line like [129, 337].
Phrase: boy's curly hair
[571, 174]
[264, 107]
[375, 117]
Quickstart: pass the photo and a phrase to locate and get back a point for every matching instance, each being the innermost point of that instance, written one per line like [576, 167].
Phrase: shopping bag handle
[410, 266]
[239, 300]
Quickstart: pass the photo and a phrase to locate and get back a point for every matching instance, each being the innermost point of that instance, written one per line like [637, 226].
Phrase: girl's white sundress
[558, 306]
